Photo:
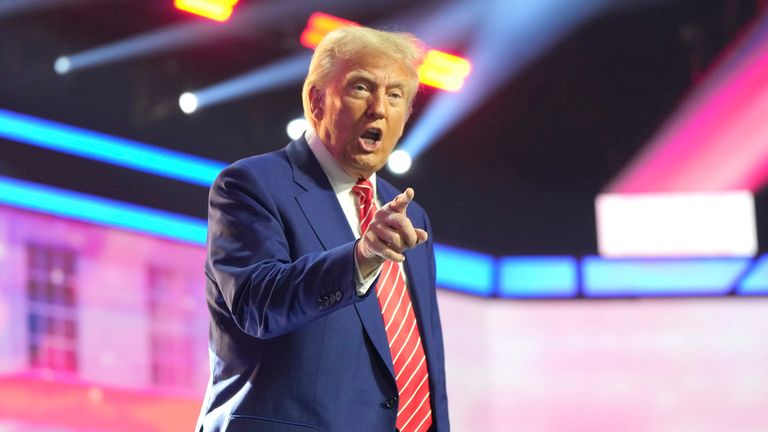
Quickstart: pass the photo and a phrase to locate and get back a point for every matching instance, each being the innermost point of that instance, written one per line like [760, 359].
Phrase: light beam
[281, 73]
[509, 37]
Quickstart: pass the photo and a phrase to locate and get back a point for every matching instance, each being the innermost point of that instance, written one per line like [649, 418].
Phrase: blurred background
[594, 170]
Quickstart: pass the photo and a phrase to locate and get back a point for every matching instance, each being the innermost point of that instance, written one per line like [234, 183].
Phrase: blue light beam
[154, 42]
[259, 16]
[510, 36]
[9, 8]
[273, 76]
[106, 148]
[429, 23]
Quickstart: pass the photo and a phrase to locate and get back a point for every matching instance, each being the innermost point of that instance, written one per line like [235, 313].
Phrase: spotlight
[188, 102]
[62, 65]
[296, 127]
[399, 162]
[319, 25]
[217, 10]
[444, 71]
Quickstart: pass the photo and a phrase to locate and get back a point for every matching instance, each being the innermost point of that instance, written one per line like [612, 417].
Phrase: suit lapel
[320, 206]
[318, 201]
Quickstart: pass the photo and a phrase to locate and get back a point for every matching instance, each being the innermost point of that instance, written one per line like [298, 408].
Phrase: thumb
[421, 236]
[400, 203]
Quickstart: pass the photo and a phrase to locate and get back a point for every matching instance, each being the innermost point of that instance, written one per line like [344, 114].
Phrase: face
[361, 113]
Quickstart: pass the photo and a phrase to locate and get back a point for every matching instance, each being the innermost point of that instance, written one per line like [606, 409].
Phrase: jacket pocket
[243, 423]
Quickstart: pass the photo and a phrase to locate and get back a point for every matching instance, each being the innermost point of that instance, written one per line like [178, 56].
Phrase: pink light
[718, 140]
[72, 404]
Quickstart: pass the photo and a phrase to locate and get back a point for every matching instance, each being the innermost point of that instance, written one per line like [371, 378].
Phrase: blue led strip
[465, 270]
[756, 281]
[101, 211]
[538, 276]
[658, 277]
[105, 148]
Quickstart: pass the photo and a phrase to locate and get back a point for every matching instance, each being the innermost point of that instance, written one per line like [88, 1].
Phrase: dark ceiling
[517, 176]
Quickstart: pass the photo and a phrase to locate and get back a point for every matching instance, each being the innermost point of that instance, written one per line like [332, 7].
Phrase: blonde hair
[343, 45]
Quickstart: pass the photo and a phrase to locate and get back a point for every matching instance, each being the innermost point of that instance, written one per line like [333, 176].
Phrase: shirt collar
[340, 180]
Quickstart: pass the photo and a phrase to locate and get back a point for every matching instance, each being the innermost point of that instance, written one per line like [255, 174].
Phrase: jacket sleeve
[267, 293]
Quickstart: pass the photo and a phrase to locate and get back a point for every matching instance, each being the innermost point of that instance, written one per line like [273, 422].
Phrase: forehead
[375, 67]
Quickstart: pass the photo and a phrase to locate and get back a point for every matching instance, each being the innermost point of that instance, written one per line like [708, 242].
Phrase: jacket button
[322, 302]
[390, 403]
[338, 295]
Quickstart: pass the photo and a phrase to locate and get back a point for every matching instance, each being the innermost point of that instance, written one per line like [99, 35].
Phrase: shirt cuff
[362, 285]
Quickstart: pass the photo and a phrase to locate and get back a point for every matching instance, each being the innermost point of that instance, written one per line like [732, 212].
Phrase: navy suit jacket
[293, 348]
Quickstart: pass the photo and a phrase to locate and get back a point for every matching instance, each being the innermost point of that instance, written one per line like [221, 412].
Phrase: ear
[316, 103]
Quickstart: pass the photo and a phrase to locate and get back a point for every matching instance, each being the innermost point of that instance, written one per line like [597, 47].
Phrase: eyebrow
[362, 75]
[357, 75]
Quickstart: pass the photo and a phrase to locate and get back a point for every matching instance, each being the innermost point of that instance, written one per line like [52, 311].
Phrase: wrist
[367, 262]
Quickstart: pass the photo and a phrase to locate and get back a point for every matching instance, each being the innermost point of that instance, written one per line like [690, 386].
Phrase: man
[323, 306]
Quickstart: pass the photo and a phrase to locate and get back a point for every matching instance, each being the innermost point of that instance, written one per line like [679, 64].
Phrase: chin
[365, 167]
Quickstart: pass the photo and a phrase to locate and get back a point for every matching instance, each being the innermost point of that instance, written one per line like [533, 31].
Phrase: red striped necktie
[414, 413]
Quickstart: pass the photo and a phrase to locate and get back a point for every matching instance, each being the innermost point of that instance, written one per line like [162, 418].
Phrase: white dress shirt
[342, 183]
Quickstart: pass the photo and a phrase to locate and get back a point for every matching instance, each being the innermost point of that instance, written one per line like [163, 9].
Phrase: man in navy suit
[298, 340]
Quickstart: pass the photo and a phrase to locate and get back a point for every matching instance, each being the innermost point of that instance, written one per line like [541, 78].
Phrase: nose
[376, 108]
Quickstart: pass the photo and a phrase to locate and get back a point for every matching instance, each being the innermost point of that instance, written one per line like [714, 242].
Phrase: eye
[396, 97]
[359, 87]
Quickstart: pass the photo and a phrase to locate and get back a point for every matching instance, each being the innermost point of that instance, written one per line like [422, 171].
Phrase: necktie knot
[363, 189]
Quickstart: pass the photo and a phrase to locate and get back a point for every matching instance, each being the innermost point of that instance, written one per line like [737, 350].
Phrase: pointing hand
[389, 234]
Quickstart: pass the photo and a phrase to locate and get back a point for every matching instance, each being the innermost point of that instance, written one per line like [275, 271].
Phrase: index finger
[400, 203]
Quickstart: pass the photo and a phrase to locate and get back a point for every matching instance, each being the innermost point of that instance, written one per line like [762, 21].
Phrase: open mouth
[371, 136]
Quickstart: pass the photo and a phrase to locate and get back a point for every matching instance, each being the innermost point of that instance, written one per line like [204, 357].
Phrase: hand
[389, 235]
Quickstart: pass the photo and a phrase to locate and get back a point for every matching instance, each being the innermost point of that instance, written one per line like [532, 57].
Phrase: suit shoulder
[274, 164]
[273, 161]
